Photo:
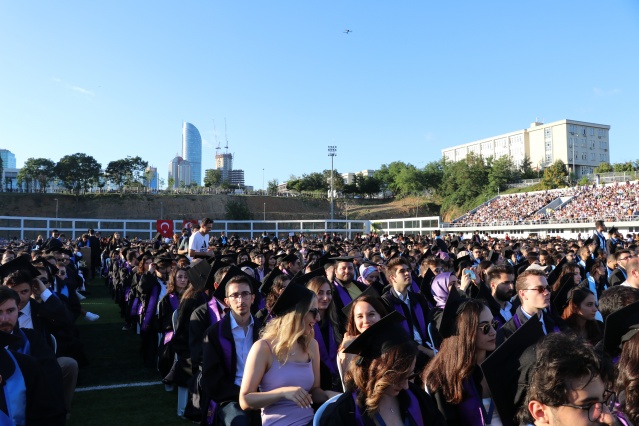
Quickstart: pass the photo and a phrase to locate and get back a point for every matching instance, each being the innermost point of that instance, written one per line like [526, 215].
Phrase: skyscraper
[179, 172]
[8, 159]
[192, 151]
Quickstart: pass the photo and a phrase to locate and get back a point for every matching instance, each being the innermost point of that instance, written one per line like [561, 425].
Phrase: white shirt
[505, 311]
[243, 342]
[24, 319]
[541, 319]
[406, 301]
[199, 243]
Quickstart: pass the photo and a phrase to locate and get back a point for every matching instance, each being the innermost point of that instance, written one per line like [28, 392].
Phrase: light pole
[264, 212]
[161, 209]
[263, 187]
[56, 213]
[332, 152]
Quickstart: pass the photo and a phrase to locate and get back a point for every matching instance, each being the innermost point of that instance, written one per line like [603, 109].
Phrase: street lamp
[332, 152]
[263, 188]
[264, 212]
[57, 225]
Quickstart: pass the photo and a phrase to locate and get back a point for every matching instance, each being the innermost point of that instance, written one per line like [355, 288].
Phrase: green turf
[114, 359]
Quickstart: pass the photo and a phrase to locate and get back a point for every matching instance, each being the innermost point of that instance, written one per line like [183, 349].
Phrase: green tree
[212, 177]
[368, 186]
[603, 167]
[38, 171]
[236, 209]
[78, 172]
[500, 173]
[171, 183]
[338, 180]
[271, 188]
[623, 167]
[127, 171]
[434, 174]
[555, 176]
[525, 169]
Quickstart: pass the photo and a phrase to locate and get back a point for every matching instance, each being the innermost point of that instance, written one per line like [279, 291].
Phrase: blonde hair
[284, 331]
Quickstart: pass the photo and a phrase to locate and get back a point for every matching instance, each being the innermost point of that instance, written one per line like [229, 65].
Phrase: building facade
[8, 159]
[582, 146]
[192, 151]
[179, 172]
[236, 178]
[224, 163]
[151, 178]
[349, 178]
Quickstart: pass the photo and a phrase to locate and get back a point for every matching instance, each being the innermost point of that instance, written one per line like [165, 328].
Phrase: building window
[592, 156]
[592, 131]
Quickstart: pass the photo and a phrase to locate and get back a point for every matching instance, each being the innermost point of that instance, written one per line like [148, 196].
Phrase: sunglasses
[314, 312]
[540, 289]
[485, 328]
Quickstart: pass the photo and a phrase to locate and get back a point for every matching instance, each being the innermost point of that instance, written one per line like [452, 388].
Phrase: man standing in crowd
[199, 241]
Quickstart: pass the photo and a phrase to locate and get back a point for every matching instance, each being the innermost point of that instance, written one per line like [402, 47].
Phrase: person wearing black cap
[346, 288]
[54, 241]
[226, 347]
[453, 376]
[379, 388]
[290, 264]
[568, 385]
[614, 241]
[534, 295]
[285, 363]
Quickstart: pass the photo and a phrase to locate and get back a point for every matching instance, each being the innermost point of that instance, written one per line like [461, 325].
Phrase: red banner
[188, 223]
[165, 227]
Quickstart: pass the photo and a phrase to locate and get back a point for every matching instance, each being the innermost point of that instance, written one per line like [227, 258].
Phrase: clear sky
[117, 78]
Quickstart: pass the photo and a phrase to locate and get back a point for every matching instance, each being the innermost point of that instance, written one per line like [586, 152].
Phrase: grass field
[114, 359]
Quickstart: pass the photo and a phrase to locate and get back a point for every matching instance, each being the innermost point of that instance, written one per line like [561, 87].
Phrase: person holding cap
[282, 372]
[379, 388]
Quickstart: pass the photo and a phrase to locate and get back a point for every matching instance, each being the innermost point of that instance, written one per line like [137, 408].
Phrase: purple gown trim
[343, 294]
[328, 354]
[414, 410]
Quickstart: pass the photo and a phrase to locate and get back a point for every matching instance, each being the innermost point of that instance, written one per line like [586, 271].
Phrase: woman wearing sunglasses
[453, 376]
[282, 372]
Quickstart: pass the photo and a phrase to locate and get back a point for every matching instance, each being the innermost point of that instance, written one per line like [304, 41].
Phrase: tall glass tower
[192, 150]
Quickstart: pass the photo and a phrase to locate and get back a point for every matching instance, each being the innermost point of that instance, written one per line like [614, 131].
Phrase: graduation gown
[518, 319]
[342, 297]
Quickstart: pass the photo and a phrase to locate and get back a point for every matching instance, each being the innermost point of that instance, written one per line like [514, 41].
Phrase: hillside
[134, 206]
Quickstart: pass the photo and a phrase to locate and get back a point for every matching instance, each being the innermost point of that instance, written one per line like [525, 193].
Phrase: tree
[38, 171]
[78, 172]
[434, 174]
[368, 186]
[338, 180]
[525, 169]
[623, 167]
[555, 176]
[271, 188]
[212, 177]
[603, 167]
[171, 183]
[127, 171]
[236, 209]
[500, 173]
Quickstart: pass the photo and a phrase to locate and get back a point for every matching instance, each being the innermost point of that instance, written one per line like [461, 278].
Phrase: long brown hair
[572, 312]
[314, 284]
[568, 269]
[375, 302]
[455, 360]
[170, 287]
[628, 378]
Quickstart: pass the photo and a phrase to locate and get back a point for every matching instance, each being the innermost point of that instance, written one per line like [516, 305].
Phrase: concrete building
[8, 159]
[580, 145]
[224, 163]
[236, 178]
[180, 171]
[151, 178]
[192, 151]
[349, 178]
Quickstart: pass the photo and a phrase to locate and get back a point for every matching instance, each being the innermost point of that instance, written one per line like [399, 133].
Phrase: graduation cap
[342, 259]
[163, 258]
[146, 253]
[7, 339]
[201, 274]
[234, 271]
[459, 261]
[20, 263]
[554, 274]
[267, 282]
[425, 286]
[290, 297]
[589, 241]
[506, 370]
[493, 256]
[380, 337]
[454, 244]
[620, 327]
[158, 236]
[303, 279]
[183, 257]
[562, 296]
[325, 259]
[370, 291]
[448, 322]
[52, 270]
[248, 264]
[613, 230]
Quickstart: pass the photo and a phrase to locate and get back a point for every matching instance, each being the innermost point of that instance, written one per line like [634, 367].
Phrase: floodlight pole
[332, 152]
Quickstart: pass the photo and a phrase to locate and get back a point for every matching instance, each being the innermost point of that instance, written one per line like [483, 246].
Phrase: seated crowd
[409, 330]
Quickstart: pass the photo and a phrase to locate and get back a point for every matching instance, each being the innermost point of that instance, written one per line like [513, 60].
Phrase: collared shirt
[406, 300]
[243, 342]
[161, 295]
[541, 319]
[505, 312]
[24, 319]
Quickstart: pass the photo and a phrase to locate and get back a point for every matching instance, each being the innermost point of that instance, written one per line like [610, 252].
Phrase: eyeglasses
[596, 409]
[485, 328]
[315, 312]
[540, 289]
[238, 296]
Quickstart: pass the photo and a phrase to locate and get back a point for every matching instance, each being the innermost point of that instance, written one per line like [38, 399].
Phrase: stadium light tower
[332, 152]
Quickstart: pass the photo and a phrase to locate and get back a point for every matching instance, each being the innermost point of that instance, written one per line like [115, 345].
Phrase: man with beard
[501, 281]
[347, 289]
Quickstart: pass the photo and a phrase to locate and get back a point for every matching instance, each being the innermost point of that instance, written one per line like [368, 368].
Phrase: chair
[320, 411]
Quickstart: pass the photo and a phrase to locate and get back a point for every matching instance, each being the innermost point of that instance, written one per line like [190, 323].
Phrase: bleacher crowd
[376, 330]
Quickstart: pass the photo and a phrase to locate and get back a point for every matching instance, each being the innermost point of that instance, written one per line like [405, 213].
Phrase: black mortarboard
[425, 286]
[448, 322]
[613, 230]
[380, 337]
[589, 241]
[20, 263]
[459, 261]
[290, 297]
[7, 339]
[554, 274]
[506, 369]
[163, 258]
[562, 296]
[234, 271]
[248, 263]
[454, 244]
[52, 270]
[290, 258]
[305, 278]
[158, 236]
[621, 326]
[201, 275]
[370, 291]
[183, 256]
[493, 256]
[141, 256]
[267, 282]
[325, 260]
[342, 259]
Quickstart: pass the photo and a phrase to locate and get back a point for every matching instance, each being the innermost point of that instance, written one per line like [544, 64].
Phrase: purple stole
[150, 308]
[175, 303]
[328, 353]
[414, 287]
[414, 410]
[619, 415]
[214, 313]
[471, 409]
[227, 352]
[342, 293]
[418, 313]
[517, 322]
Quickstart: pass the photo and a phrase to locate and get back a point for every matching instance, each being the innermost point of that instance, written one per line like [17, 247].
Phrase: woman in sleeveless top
[453, 376]
[282, 372]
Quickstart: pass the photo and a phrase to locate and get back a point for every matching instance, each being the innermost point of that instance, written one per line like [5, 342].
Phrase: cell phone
[470, 274]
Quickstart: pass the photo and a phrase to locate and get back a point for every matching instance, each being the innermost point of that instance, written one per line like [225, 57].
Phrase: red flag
[188, 223]
[165, 227]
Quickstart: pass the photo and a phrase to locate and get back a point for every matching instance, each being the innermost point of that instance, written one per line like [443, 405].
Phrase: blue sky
[117, 78]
